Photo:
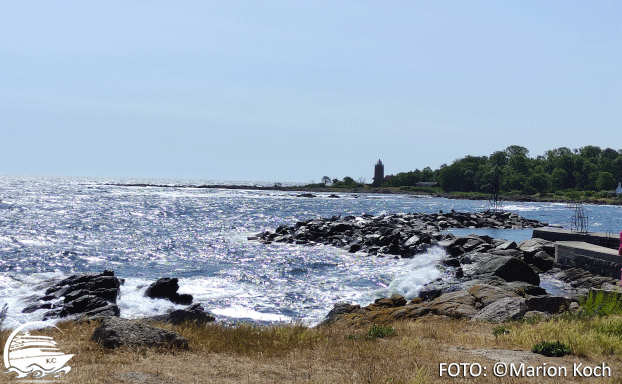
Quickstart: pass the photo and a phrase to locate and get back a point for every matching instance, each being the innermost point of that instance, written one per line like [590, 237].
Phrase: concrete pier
[593, 251]
[593, 258]
[607, 240]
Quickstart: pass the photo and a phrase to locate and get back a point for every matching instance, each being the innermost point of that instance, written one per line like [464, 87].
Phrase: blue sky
[292, 91]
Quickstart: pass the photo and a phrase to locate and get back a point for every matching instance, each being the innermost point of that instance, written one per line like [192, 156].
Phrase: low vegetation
[551, 349]
[404, 352]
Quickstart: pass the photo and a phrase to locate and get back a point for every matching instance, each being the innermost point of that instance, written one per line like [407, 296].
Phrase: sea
[55, 227]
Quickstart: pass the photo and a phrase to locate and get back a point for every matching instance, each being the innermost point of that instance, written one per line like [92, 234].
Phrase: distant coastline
[383, 190]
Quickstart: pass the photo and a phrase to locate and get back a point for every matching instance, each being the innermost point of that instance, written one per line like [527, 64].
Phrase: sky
[293, 91]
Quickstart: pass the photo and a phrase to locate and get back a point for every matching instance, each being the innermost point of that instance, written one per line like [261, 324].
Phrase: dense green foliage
[590, 169]
[512, 170]
[410, 178]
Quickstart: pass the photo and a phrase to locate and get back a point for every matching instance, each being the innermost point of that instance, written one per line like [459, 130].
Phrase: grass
[404, 352]
[596, 337]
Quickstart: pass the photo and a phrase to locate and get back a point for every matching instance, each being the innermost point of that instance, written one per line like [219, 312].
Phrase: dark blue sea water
[52, 227]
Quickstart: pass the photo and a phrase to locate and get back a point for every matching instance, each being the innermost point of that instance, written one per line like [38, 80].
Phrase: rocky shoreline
[94, 297]
[485, 278]
[306, 192]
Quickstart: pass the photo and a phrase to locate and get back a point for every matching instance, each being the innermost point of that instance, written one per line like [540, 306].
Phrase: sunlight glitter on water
[64, 226]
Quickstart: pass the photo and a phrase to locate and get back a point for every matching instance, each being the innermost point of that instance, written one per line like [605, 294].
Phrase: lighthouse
[378, 174]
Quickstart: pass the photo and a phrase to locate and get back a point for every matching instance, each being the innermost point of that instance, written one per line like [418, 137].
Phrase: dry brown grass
[295, 354]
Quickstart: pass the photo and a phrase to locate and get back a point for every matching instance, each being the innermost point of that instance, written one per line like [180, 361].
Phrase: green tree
[539, 180]
[558, 179]
[514, 181]
[590, 152]
[605, 182]
[348, 181]
[499, 159]
[517, 159]
[326, 180]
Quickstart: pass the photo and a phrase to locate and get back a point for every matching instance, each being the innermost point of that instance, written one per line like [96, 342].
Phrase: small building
[378, 174]
[619, 189]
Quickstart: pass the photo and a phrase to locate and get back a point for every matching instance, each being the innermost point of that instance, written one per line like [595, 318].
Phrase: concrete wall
[593, 258]
[597, 238]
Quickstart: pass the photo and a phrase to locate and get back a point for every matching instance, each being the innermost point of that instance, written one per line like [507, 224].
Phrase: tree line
[512, 170]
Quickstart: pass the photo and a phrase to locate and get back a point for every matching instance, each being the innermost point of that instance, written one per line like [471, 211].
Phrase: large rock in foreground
[114, 332]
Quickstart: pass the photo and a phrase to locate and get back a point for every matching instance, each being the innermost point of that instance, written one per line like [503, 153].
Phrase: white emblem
[34, 355]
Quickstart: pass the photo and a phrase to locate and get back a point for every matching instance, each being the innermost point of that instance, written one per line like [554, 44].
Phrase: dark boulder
[81, 295]
[339, 309]
[508, 268]
[193, 314]
[543, 261]
[394, 301]
[34, 307]
[548, 304]
[451, 262]
[166, 288]
[83, 303]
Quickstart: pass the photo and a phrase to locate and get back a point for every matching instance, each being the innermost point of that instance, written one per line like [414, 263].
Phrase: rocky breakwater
[402, 235]
[485, 278]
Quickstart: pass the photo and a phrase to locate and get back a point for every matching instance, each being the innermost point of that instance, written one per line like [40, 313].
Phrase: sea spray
[422, 270]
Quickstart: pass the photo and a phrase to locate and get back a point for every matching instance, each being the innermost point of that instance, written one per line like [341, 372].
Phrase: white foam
[420, 271]
[411, 284]
[17, 292]
[239, 312]
[133, 303]
[267, 293]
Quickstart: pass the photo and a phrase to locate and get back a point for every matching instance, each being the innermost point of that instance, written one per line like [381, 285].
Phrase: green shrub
[574, 195]
[377, 331]
[556, 349]
[500, 330]
[529, 190]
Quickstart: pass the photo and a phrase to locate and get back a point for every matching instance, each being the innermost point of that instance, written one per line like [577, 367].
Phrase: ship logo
[25, 354]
